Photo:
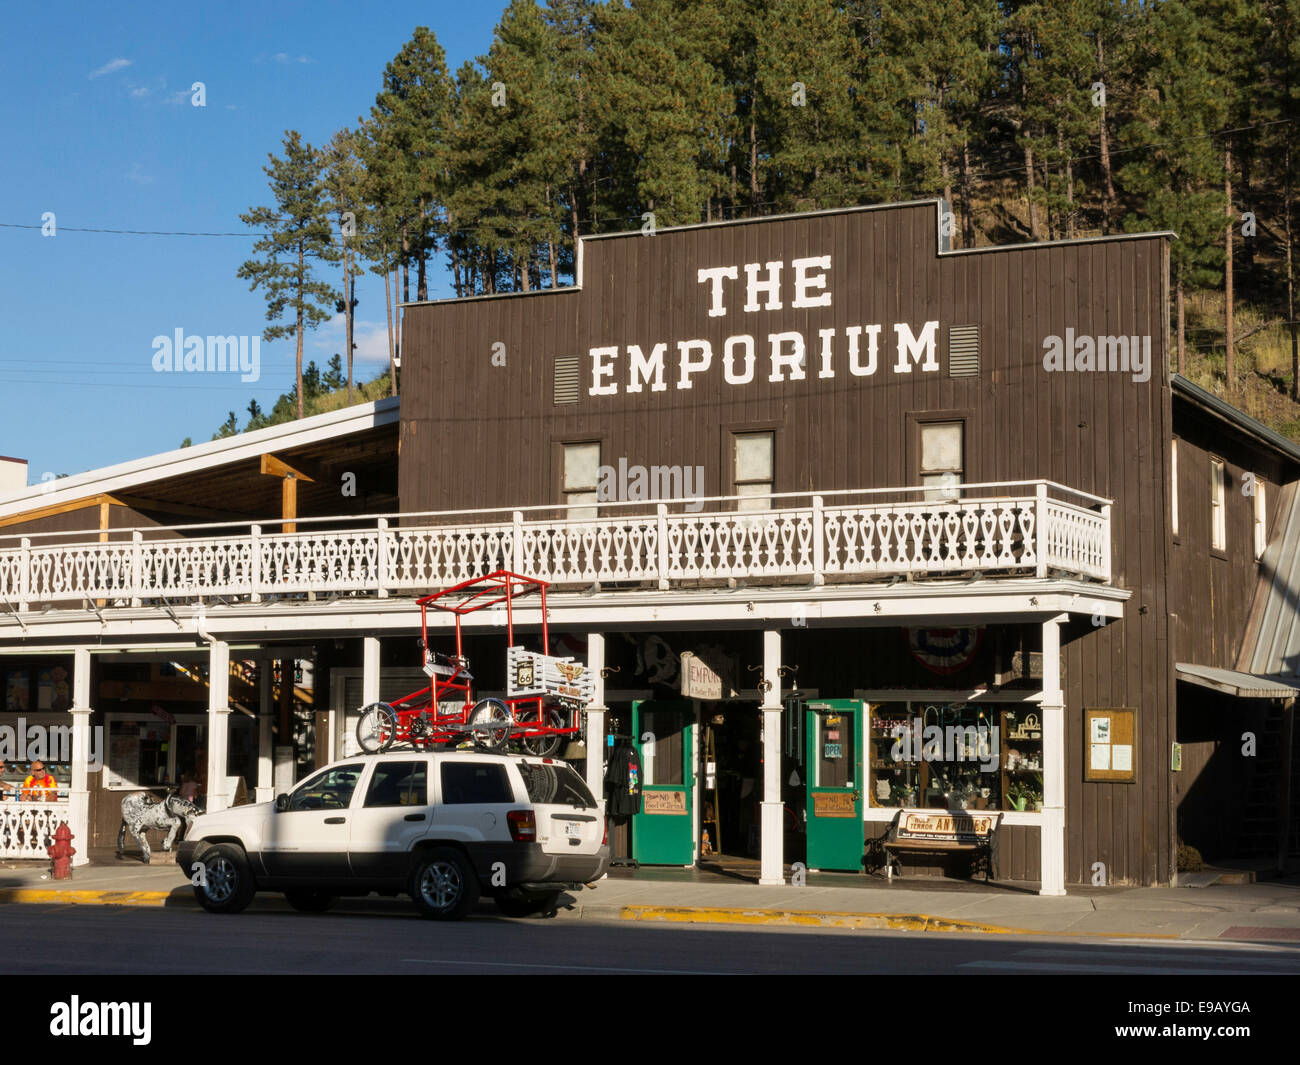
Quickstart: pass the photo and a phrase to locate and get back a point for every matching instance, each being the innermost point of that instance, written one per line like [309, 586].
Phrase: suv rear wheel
[443, 886]
[228, 885]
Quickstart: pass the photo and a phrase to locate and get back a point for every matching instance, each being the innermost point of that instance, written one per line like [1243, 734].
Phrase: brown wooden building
[849, 350]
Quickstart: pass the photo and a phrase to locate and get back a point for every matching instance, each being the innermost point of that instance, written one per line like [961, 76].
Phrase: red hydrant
[62, 852]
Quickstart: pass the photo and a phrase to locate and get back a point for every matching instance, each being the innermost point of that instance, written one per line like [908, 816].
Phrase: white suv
[443, 827]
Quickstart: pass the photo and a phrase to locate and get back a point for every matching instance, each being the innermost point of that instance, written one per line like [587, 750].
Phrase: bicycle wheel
[547, 745]
[376, 728]
[489, 724]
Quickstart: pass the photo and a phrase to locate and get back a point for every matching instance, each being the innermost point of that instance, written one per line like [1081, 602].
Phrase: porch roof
[1233, 682]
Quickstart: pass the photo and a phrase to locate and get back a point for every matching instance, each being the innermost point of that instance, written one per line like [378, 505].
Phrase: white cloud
[139, 93]
[138, 175]
[112, 66]
[371, 339]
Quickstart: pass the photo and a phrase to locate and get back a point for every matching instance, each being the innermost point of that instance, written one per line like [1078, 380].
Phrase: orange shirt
[42, 789]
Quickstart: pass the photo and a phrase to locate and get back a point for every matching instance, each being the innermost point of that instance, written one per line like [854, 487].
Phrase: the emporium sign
[847, 349]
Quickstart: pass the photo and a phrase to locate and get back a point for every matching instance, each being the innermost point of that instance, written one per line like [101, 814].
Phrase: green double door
[836, 783]
[663, 833]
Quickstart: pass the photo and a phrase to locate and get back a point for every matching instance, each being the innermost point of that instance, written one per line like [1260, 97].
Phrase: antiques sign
[947, 826]
[663, 802]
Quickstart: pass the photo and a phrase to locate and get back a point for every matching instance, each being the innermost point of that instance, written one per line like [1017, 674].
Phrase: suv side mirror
[281, 803]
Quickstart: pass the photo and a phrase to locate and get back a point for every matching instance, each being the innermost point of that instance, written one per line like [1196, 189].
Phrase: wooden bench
[945, 832]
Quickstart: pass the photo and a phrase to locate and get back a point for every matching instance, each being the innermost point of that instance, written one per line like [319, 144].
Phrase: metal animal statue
[140, 813]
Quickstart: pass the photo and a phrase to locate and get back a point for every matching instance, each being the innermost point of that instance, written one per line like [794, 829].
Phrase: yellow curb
[918, 922]
[104, 898]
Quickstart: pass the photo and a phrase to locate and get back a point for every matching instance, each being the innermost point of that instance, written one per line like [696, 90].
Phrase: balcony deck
[1021, 529]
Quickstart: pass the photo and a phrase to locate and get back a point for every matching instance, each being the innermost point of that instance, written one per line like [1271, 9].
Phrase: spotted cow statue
[140, 813]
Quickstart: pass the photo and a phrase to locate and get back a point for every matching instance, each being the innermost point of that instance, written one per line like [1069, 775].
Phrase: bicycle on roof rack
[545, 695]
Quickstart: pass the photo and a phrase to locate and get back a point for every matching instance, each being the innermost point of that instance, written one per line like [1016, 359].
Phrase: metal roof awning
[1231, 682]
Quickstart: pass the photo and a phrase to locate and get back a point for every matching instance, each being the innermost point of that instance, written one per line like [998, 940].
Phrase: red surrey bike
[544, 694]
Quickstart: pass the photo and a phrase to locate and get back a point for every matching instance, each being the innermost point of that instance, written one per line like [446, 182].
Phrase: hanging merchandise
[623, 780]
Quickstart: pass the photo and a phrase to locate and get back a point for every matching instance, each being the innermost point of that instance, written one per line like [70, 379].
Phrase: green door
[663, 833]
[835, 783]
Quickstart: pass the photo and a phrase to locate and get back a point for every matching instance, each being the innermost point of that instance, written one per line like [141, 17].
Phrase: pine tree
[410, 115]
[345, 182]
[665, 105]
[1177, 180]
[296, 236]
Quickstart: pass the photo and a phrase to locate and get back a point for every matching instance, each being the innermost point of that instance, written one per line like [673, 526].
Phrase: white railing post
[517, 542]
[661, 510]
[1105, 542]
[137, 567]
[819, 541]
[24, 572]
[381, 556]
[1040, 527]
[255, 566]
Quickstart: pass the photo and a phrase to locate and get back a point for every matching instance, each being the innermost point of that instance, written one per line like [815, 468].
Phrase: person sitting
[189, 787]
[39, 786]
[7, 790]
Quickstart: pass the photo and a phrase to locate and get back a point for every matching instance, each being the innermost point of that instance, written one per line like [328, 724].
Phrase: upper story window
[1173, 486]
[943, 461]
[752, 467]
[1261, 518]
[581, 471]
[1218, 499]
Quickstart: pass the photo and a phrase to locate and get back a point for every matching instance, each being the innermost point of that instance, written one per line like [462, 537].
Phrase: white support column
[79, 796]
[218, 724]
[772, 865]
[265, 790]
[1051, 857]
[369, 670]
[595, 738]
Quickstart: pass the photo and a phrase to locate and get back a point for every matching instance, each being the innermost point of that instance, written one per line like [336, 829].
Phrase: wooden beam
[301, 468]
[59, 508]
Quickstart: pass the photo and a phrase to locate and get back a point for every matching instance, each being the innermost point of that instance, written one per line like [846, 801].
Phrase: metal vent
[964, 351]
[566, 379]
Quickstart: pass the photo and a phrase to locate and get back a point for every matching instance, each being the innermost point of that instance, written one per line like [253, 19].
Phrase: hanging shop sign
[945, 650]
[700, 680]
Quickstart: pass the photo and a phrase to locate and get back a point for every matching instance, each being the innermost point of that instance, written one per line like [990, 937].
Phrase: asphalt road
[69, 939]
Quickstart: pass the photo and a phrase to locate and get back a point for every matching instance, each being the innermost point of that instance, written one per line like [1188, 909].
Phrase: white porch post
[1052, 834]
[218, 724]
[596, 718]
[369, 670]
[265, 790]
[772, 865]
[79, 796]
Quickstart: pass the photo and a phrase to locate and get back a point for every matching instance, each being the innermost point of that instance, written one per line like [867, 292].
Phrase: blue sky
[100, 130]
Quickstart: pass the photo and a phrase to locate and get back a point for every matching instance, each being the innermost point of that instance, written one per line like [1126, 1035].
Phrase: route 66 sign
[525, 674]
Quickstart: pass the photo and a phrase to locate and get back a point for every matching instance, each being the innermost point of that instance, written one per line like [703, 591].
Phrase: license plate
[573, 829]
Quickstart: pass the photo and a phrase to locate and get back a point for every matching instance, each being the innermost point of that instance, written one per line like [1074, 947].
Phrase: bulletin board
[1110, 744]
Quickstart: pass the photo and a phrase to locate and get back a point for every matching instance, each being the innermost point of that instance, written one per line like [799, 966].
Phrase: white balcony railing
[27, 828]
[1014, 529]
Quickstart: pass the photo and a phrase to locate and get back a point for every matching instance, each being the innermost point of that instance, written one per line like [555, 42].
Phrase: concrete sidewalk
[1263, 912]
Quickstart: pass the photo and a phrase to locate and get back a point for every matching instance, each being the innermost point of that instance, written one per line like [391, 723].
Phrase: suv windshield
[554, 784]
